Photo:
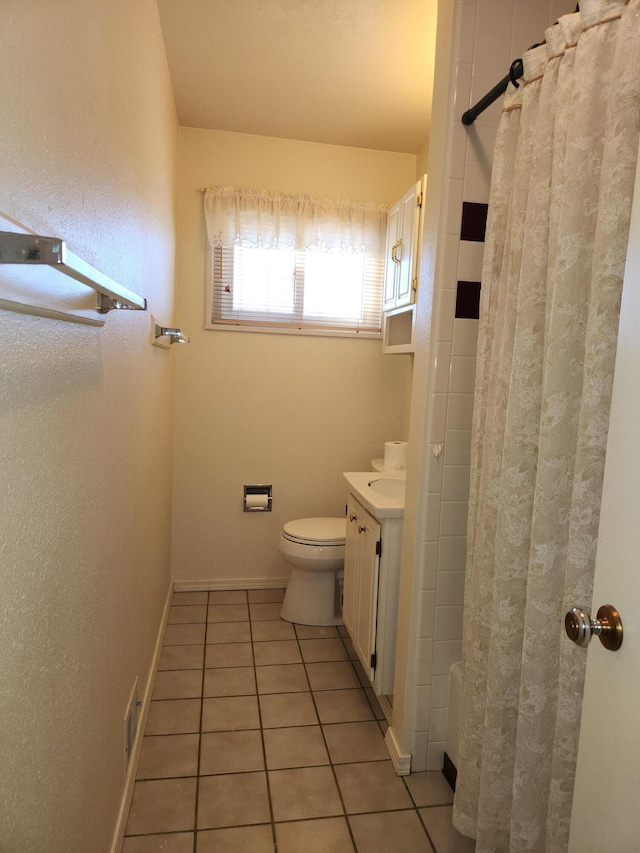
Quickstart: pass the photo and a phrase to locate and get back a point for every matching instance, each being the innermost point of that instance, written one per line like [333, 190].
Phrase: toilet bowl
[314, 548]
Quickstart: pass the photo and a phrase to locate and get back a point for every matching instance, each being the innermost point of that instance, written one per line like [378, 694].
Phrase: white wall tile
[494, 59]
[470, 255]
[465, 340]
[463, 374]
[423, 708]
[434, 468]
[453, 518]
[457, 447]
[440, 691]
[450, 588]
[453, 201]
[459, 411]
[446, 313]
[435, 755]
[449, 261]
[424, 661]
[457, 142]
[430, 526]
[477, 182]
[419, 746]
[437, 413]
[481, 139]
[455, 483]
[441, 368]
[462, 96]
[452, 554]
[427, 619]
[493, 15]
[438, 724]
[430, 557]
[445, 654]
[448, 622]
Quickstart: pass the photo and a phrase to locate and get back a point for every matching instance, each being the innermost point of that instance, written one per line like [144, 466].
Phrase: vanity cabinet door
[361, 569]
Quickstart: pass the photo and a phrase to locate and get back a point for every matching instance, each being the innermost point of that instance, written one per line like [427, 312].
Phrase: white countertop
[381, 505]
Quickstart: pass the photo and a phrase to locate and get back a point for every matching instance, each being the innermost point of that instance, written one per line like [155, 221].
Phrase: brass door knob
[607, 626]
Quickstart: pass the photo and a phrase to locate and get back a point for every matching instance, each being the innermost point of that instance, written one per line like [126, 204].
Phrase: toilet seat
[316, 531]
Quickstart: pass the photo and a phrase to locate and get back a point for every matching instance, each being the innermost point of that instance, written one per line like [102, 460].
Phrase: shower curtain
[557, 233]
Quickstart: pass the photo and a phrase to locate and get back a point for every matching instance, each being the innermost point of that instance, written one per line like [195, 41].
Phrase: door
[606, 814]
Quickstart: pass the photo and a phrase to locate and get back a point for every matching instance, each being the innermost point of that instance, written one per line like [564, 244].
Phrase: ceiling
[343, 72]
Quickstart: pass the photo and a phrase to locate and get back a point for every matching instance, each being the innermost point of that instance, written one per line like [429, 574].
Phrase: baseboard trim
[123, 814]
[400, 760]
[230, 583]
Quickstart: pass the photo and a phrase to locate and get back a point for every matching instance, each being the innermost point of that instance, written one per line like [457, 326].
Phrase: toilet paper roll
[256, 501]
[395, 455]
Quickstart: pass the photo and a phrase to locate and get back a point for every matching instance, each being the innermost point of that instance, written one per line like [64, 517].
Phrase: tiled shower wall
[488, 36]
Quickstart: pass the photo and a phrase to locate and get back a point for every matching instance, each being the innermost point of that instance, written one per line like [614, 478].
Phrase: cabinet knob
[353, 518]
[361, 528]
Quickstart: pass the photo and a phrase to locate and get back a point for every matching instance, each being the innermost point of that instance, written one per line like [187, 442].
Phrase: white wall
[294, 411]
[88, 142]
[484, 36]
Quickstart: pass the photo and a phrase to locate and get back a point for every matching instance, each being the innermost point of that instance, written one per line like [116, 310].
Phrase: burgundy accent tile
[474, 221]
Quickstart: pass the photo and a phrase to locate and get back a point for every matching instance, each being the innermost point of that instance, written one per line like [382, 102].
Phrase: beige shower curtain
[557, 232]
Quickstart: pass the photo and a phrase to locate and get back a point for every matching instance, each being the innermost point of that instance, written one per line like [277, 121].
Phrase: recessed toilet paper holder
[257, 498]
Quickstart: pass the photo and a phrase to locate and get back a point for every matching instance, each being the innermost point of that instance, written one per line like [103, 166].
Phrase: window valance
[265, 219]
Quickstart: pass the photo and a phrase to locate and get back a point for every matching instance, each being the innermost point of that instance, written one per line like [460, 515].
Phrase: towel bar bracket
[108, 303]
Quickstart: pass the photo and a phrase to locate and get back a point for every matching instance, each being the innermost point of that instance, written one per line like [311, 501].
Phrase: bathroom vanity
[375, 511]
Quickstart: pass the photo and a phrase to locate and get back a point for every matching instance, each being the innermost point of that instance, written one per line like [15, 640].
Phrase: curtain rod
[515, 73]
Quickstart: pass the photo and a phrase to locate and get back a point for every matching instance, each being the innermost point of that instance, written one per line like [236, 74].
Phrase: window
[295, 264]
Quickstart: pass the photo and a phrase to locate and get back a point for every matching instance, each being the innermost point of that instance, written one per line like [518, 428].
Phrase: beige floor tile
[186, 613]
[230, 713]
[173, 716]
[189, 598]
[390, 832]
[228, 596]
[302, 746]
[228, 613]
[429, 788]
[276, 630]
[168, 756]
[446, 838]
[238, 839]
[304, 793]
[181, 657]
[336, 675]
[312, 632]
[165, 805]
[342, 706]
[228, 654]
[265, 612]
[228, 632]
[371, 787]
[264, 596]
[290, 678]
[178, 684]
[230, 681]
[231, 752]
[184, 635]
[180, 842]
[327, 835]
[287, 709]
[351, 652]
[235, 799]
[352, 742]
[323, 650]
[276, 652]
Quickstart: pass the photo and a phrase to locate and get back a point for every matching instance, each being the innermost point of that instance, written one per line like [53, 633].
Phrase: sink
[389, 487]
[381, 494]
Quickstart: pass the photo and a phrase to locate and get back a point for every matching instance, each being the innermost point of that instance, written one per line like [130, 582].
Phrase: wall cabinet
[402, 263]
[370, 596]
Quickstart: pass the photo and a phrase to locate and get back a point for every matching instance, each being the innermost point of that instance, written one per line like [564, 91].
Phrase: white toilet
[314, 547]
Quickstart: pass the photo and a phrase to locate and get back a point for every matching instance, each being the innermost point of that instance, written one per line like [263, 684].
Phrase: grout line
[197, 797]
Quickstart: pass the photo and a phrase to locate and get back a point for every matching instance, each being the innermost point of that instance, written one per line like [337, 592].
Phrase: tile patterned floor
[263, 735]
